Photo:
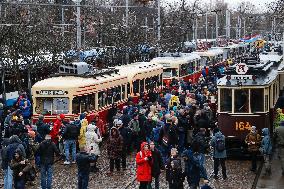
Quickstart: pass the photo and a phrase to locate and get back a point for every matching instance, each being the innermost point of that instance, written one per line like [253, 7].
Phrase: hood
[14, 139]
[91, 127]
[265, 132]
[253, 129]
[142, 145]
[218, 134]
[112, 130]
[82, 116]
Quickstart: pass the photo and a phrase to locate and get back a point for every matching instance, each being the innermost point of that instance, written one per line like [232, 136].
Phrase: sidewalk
[275, 180]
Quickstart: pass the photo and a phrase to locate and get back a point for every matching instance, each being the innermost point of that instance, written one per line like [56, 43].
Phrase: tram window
[109, 98]
[76, 105]
[101, 99]
[117, 94]
[43, 105]
[142, 86]
[167, 73]
[183, 70]
[226, 100]
[241, 101]
[266, 103]
[136, 86]
[123, 92]
[256, 100]
[60, 105]
[128, 88]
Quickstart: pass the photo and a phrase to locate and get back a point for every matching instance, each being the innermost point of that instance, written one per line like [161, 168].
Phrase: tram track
[258, 173]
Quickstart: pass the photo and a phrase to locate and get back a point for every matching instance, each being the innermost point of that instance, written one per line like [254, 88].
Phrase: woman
[83, 130]
[20, 167]
[174, 174]
[114, 149]
[144, 166]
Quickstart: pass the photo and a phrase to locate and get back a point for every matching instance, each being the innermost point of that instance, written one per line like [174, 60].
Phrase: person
[279, 135]
[82, 135]
[70, 135]
[181, 129]
[114, 149]
[14, 144]
[125, 132]
[83, 160]
[20, 167]
[135, 129]
[7, 173]
[144, 164]
[93, 139]
[46, 151]
[56, 127]
[219, 153]
[174, 174]
[266, 150]
[253, 141]
[157, 164]
[25, 106]
[42, 128]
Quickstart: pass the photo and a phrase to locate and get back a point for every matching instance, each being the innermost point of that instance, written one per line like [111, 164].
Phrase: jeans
[46, 172]
[70, 144]
[116, 162]
[123, 159]
[19, 184]
[157, 182]
[203, 172]
[253, 161]
[8, 178]
[83, 180]
[217, 162]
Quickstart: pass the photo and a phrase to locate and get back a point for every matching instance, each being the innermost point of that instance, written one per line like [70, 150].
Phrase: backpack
[11, 151]
[220, 144]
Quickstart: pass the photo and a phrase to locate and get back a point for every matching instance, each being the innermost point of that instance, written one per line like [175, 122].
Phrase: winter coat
[126, 134]
[25, 108]
[14, 144]
[266, 144]
[279, 131]
[195, 167]
[157, 163]
[83, 160]
[46, 151]
[93, 140]
[42, 129]
[182, 123]
[213, 143]
[256, 139]
[143, 170]
[102, 127]
[17, 168]
[114, 144]
[55, 131]
[82, 135]
[174, 174]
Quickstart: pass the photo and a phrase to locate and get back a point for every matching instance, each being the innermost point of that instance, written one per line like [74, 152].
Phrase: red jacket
[143, 166]
[55, 131]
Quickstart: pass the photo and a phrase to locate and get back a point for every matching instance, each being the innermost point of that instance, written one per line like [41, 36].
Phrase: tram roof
[183, 58]
[210, 52]
[71, 82]
[140, 70]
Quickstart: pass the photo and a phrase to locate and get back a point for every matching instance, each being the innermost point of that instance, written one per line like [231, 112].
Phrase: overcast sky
[232, 3]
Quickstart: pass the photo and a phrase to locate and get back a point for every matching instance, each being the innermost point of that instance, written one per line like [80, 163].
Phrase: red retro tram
[246, 97]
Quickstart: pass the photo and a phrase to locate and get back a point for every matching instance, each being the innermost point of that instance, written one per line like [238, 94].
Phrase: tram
[246, 97]
[188, 66]
[79, 88]
[212, 57]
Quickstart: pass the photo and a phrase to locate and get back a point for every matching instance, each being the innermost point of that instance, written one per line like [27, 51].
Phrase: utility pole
[159, 27]
[196, 28]
[206, 25]
[78, 23]
[228, 23]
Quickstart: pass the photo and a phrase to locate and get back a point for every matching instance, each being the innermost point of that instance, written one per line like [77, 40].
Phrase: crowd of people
[171, 129]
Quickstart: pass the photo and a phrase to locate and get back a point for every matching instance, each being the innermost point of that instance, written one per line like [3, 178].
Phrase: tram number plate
[242, 126]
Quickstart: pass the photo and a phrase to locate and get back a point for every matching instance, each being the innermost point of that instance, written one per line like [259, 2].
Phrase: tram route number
[242, 126]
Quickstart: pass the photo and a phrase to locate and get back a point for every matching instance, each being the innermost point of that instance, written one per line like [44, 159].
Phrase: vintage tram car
[246, 97]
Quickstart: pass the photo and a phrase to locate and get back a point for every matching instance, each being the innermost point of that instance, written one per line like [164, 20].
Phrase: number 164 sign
[242, 126]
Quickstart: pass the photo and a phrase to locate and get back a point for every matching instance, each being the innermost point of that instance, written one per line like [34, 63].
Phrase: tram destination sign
[51, 92]
[241, 77]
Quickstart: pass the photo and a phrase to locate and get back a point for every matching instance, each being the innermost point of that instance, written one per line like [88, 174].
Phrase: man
[70, 136]
[46, 151]
[253, 140]
[42, 128]
[157, 164]
[125, 132]
[266, 150]
[135, 128]
[181, 129]
[83, 160]
[219, 153]
[279, 134]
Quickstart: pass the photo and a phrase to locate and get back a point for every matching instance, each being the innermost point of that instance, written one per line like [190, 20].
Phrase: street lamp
[78, 23]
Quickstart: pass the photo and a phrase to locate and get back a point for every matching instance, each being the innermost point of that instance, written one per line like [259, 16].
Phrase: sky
[232, 3]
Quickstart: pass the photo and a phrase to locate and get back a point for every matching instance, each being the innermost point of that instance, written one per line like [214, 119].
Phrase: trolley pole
[126, 24]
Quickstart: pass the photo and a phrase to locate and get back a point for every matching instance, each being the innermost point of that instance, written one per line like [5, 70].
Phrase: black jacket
[71, 132]
[157, 163]
[42, 129]
[46, 151]
[83, 160]
[126, 134]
